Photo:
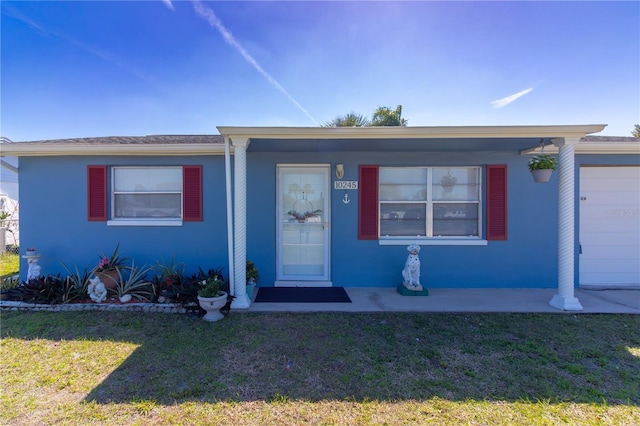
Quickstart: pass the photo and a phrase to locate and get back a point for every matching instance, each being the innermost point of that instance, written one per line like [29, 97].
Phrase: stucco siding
[53, 217]
[529, 258]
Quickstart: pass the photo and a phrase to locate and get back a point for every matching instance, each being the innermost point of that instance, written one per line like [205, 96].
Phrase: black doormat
[302, 295]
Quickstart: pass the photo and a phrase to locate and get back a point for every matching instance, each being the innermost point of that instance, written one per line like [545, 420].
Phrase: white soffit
[589, 147]
[399, 132]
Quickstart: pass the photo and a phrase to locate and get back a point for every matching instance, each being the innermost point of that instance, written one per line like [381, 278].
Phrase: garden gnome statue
[96, 289]
[411, 271]
[34, 269]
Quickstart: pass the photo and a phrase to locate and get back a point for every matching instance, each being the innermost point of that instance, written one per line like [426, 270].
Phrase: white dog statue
[411, 271]
[96, 289]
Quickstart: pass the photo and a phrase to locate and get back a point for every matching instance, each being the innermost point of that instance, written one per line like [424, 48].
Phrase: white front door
[303, 225]
[610, 227]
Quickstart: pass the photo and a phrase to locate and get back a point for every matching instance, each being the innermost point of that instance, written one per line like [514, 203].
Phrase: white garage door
[610, 227]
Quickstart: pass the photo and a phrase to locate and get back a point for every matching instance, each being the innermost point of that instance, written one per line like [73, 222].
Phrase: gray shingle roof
[609, 139]
[138, 140]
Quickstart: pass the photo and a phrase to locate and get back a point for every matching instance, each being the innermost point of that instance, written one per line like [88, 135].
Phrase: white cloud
[215, 22]
[169, 4]
[500, 103]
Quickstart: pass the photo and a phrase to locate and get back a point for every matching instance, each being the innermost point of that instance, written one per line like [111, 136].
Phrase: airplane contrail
[213, 20]
[499, 103]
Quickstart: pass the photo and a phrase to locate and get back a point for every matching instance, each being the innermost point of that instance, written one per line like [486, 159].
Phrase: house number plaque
[345, 184]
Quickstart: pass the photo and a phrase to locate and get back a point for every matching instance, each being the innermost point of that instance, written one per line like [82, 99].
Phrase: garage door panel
[609, 230]
[618, 265]
[590, 253]
[610, 239]
[599, 173]
[611, 199]
[626, 225]
[610, 279]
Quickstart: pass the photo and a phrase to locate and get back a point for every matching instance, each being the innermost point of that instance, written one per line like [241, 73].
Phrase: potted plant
[211, 298]
[109, 267]
[252, 278]
[170, 272]
[541, 167]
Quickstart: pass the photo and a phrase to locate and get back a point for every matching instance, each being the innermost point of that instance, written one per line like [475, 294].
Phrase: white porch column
[565, 299]
[240, 223]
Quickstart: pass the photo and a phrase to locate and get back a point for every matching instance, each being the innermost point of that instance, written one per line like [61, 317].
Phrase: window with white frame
[146, 193]
[429, 201]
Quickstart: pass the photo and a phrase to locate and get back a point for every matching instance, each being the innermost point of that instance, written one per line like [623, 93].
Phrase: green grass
[333, 369]
[9, 264]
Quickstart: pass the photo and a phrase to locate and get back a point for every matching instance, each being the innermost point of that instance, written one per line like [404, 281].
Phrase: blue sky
[80, 69]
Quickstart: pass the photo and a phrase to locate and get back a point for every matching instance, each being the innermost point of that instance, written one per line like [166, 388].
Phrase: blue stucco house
[338, 206]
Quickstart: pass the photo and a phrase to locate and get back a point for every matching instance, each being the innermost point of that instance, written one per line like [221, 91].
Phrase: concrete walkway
[370, 299]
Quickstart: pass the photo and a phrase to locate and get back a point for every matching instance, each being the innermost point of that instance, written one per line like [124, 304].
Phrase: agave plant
[77, 282]
[136, 284]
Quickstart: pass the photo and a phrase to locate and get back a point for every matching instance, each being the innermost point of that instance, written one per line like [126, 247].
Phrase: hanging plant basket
[541, 175]
[541, 167]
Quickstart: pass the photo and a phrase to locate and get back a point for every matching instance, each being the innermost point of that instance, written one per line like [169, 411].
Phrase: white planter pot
[212, 305]
[541, 176]
[251, 286]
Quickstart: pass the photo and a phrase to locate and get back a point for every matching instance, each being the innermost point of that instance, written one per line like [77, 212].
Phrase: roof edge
[537, 131]
[35, 149]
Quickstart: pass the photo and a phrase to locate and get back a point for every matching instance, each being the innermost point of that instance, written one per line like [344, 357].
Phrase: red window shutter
[497, 202]
[97, 193]
[192, 193]
[368, 203]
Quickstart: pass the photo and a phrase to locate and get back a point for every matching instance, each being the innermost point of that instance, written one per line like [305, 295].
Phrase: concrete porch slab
[387, 299]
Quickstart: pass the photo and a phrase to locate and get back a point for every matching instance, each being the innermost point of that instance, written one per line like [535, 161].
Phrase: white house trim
[241, 300]
[8, 166]
[567, 131]
[590, 147]
[227, 178]
[565, 298]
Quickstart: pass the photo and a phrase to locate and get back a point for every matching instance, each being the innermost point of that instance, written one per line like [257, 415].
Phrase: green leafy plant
[169, 271]
[136, 284]
[9, 282]
[185, 290]
[50, 289]
[114, 261]
[78, 280]
[4, 216]
[210, 287]
[543, 162]
[252, 272]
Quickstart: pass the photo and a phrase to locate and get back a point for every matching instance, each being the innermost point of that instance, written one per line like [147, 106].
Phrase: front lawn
[336, 369]
[9, 264]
